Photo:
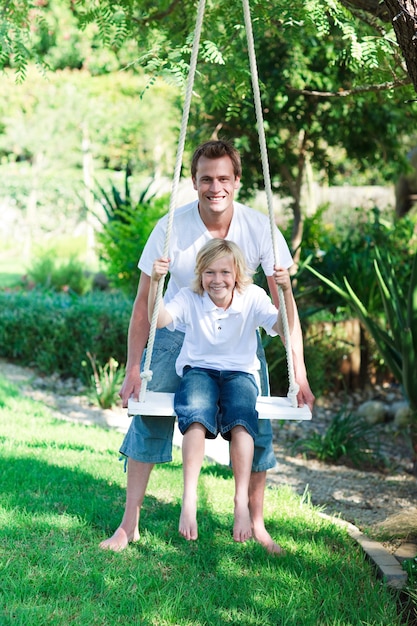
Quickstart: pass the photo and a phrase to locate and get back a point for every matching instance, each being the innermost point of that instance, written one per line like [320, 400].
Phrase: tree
[324, 66]
[168, 24]
[403, 16]
[321, 72]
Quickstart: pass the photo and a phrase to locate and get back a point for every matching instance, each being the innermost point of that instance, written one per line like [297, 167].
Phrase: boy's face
[219, 280]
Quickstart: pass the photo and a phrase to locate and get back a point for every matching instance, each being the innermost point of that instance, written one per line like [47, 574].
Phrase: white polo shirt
[221, 339]
[250, 229]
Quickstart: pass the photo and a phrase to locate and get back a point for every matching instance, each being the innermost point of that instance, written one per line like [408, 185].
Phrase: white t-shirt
[221, 339]
[250, 229]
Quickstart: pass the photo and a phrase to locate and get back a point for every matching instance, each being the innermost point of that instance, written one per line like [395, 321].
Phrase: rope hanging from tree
[293, 386]
[146, 374]
[163, 405]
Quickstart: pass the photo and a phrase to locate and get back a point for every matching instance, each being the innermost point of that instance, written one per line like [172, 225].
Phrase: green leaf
[392, 295]
[409, 358]
[328, 282]
[412, 303]
[388, 346]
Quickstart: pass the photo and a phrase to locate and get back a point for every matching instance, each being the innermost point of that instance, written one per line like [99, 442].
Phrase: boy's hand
[282, 278]
[160, 268]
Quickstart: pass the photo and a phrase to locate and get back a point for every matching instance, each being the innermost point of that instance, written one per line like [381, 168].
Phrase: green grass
[12, 269]
[14, 264]
[63, 491]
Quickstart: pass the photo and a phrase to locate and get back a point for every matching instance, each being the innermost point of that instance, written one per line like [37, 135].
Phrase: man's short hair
[215, 149]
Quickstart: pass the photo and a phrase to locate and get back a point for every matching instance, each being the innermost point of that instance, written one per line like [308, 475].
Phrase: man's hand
[305, 395]
[131, 386]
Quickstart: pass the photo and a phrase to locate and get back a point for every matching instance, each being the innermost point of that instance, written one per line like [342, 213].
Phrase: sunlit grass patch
[63, 491]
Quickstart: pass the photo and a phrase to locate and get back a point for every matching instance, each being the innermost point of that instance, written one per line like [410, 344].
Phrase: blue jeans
[149, 439]
[220, 400]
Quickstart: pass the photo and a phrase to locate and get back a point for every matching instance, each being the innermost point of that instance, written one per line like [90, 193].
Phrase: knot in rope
[146, 375]
[292, 394]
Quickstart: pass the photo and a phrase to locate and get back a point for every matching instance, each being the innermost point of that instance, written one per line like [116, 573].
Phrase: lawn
[63, 491]
[11, 272]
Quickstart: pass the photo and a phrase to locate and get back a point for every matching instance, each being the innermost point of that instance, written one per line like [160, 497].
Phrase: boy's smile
[219, 280]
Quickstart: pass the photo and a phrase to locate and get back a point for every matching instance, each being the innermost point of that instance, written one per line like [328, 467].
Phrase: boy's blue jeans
[218, 399]
[149, 439]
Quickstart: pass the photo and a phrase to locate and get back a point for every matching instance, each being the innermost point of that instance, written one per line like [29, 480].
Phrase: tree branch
[402, 14]
[342, 93]
[157, 17]
[375, 7]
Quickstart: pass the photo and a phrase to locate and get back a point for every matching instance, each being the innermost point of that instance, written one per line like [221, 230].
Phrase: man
[216, 172]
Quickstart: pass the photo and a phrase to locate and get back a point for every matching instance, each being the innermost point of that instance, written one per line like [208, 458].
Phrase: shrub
[350, 250]
[346, 439]
[324, 354]
[53, 332]
[338, 250]
[66, 275]
[125, 233]
[105, 381]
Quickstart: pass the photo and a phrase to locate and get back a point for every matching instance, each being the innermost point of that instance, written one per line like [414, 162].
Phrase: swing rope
[146, 374]
[293, 386]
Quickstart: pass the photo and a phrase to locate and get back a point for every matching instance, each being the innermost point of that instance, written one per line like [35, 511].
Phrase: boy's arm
[159, 270]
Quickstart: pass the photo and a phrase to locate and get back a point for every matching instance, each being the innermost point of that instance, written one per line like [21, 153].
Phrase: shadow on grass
[54, 511]
[38, 488]
[192, 582]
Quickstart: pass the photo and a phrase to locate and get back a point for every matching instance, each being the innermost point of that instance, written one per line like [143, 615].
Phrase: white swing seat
[268, 407]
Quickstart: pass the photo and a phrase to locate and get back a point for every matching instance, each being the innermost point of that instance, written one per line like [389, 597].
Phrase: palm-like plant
[396, 334]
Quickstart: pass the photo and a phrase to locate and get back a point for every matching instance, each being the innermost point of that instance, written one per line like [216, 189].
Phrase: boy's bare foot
[188, 523]
[242, 528]
[119, 540]
[262, 536]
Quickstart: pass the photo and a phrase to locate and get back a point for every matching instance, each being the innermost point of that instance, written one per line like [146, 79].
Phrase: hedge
[53, 332]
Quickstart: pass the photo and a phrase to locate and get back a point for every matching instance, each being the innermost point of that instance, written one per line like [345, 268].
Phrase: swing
[162, 404]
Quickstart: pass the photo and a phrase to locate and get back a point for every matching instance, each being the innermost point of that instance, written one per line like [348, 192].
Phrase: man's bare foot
[262, 536]
[242, 528]
[188, 523]
[119, 540]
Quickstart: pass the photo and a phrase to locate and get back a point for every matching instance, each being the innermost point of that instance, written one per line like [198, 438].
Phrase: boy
[218, 366]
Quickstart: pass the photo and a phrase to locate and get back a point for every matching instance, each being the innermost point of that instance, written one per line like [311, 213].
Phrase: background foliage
[327, 71]
[107, 109]
[53, 332]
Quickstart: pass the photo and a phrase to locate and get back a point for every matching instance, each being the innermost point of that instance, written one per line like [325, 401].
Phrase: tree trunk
[403, 16]
[404, 19]
[297, 230]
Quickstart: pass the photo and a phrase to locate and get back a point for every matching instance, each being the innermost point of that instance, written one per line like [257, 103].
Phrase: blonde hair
[216, 249]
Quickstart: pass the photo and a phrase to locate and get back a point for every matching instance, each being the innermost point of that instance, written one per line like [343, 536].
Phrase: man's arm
[136, 341]
[282, 278]
[305, 395]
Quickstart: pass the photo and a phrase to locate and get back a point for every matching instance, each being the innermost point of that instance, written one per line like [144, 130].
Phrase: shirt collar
[235, 307]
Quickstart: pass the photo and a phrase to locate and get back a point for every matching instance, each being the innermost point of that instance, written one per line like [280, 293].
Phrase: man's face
[215, 183]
